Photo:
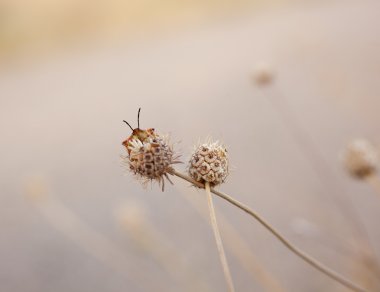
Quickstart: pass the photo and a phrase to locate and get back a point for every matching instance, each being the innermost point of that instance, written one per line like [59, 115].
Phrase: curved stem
[311, 261]
[218, 239]
[324, 174]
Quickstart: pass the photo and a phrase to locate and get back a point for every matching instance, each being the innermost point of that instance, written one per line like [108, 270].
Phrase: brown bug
[150, 156]
[137, 133]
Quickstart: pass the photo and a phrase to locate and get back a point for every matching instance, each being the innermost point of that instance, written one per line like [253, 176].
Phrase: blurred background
[284, 84]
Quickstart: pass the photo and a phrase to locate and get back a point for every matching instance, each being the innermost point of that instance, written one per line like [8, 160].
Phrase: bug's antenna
[138, 119]
[128, 125]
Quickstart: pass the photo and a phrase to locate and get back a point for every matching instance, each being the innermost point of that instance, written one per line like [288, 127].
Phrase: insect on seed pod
[150, 156]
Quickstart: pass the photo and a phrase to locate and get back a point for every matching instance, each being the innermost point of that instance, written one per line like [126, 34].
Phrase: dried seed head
[360, 158]
[150, 156]
[151, 159]
[263, 74]
[209, 163]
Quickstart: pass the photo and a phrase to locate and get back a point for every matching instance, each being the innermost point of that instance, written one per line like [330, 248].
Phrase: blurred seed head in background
[360, 158]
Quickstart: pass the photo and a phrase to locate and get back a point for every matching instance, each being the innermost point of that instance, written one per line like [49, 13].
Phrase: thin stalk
[240, 249]
[308, 259]
[218, 239]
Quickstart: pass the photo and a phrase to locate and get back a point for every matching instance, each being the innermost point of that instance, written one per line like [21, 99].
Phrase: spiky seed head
[209, 163]
[360, 158]
[151, 158]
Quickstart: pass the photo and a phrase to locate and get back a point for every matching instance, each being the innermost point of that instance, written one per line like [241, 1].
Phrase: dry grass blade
[92, 242]
[156, 244]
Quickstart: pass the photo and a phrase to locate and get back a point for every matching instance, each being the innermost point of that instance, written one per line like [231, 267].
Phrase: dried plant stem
[313, 262]
[326, 177]
[218, 239]
[374, 181]
[241, 250]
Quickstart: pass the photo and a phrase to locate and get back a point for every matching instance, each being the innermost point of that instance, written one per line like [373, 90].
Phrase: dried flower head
[209, 163]
[360, 158]
[263, 74]
[150, 156]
